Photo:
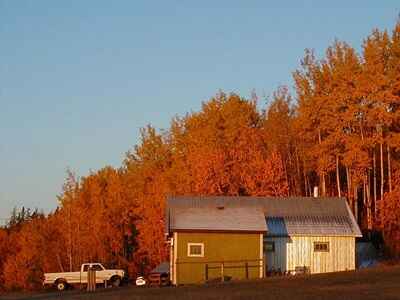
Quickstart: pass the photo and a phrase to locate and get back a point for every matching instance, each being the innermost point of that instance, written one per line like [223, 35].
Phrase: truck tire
[61, 285]
[116, 281]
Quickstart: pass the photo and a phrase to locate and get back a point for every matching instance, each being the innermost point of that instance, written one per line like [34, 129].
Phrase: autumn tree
[340, 130]
[23, 268]
[4, 252]
[390, 216]
[224, 151]
[280, 133]
[144, 172]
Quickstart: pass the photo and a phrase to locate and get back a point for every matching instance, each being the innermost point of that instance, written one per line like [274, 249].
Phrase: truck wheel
[116, 281]
[61, 285]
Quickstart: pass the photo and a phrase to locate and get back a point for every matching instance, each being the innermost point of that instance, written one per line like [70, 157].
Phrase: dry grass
[378, 283]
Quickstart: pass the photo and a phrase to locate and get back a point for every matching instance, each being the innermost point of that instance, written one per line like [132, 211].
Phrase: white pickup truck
[62, 280]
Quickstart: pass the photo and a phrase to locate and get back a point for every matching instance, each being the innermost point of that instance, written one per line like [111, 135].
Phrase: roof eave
[313, 235]
[218, 231]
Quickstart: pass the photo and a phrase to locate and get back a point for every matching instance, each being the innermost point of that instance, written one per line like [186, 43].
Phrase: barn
[250, 237]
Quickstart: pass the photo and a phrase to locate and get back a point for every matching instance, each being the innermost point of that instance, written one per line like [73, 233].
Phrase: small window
[269, 246]
[85, 268]
[321, 247]
[196, 249]
[97, 267]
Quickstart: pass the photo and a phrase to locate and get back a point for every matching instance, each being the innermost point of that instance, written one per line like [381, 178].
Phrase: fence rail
[224, 266]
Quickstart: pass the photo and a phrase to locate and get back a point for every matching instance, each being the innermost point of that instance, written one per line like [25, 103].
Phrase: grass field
[377, 283]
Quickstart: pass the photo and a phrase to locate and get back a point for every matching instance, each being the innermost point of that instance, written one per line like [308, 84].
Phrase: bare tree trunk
[374, 174]
[355, 202]
[323, 183]
[79, 242]
[59, 263]
[305, 179]
[382, 178]
[389, 168]
[70, 238]
[364, 190]
[338, 176]
[309, 186]
[348, 182]
[298, 181]
[368, 196]
[286, 176]
[291, 172]
[364, 202]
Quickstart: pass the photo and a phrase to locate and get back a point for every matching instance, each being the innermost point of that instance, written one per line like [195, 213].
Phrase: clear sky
[79, 78]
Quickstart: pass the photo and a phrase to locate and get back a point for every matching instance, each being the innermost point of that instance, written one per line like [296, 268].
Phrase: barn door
[269, 252]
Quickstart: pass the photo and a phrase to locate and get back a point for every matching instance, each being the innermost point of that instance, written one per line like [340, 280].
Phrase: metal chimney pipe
[315, 191]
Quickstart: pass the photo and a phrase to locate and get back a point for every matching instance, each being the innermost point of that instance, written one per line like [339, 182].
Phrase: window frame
[86, 267]
[189, 254]
[321, 250]
[272, 243]
[99, 266]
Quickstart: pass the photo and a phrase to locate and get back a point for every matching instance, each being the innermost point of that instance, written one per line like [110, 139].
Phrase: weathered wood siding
[299, 251]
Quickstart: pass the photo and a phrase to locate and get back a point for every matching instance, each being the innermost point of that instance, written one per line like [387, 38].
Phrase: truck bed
[70, 277]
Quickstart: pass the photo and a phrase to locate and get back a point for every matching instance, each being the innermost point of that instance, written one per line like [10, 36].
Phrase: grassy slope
[378, 283]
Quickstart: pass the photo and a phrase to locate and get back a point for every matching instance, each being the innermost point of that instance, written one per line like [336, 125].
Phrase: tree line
[339, 131]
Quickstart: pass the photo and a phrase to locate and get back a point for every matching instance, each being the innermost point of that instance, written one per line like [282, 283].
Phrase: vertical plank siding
[262, 263]
[297, 251]
[175, 257]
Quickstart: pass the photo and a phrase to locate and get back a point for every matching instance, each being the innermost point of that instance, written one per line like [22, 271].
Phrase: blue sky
[80, 78]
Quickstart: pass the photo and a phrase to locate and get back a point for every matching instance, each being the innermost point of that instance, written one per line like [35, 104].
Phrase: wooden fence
[223, 268]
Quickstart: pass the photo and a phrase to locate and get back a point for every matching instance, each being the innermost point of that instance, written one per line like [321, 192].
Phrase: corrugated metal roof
[218, 219]
[331, 226]
[303, 215]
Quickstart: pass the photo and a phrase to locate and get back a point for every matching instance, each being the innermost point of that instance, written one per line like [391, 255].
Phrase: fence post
[206, 272]
[264, 267]
[222, 271]
[88, 280]
[247, 270]
[91, 280]
[94, 280]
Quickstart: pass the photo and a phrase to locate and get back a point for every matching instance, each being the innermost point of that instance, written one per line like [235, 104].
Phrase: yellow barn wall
[234, 249]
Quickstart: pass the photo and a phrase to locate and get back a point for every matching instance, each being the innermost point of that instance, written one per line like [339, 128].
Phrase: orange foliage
[390, 218]
[347, 105]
